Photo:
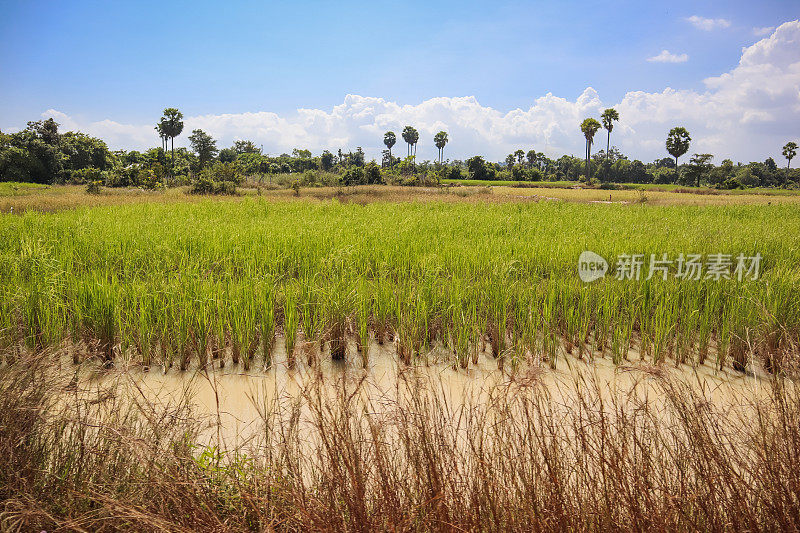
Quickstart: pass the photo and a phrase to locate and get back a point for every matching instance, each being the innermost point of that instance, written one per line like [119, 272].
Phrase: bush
[373, 173]
[204, 185]
[454, 173]
[94, 187]
[353, 176]
[84, 175]
[220, 178]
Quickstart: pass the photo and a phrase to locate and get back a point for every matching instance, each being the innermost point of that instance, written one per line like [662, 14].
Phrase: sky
[497, 76]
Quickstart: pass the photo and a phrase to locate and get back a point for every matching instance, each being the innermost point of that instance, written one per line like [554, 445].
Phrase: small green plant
[94, 187]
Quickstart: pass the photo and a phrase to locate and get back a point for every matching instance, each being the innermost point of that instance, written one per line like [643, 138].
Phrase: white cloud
[762, 31]
[668, 57]
[745, 114]
[705, 24]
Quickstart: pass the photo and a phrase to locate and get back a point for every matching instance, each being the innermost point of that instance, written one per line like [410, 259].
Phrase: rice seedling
[265, 309]
[290, 323]
[177, 282]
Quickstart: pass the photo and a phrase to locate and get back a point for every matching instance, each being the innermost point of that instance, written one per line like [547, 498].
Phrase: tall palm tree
[789, 151]
[608, 117]
[531, 155]
[440, 140]
[389, 139]
[678, 143]
[589, 127]
[408, 137]
[172, 125]
[162, 134]
[414, 140]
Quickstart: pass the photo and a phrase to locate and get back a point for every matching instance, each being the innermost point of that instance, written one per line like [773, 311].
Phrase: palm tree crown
[678, 143]
[789, 151]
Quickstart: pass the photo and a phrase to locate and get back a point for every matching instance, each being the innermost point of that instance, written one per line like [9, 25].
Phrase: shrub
[205, 185]
[220, 178]
[84, 175]
[94, 187]
[353, 176]
[373, 173]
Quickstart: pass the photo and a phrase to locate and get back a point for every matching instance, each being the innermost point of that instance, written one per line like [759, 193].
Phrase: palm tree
[589, 127]
[162, 134]
[172, 125]
[531, 155]
[608, 117]
[408, 137]
[678, 143]
[789, 151]
[389, 139]
[414, 140]
[440, 140]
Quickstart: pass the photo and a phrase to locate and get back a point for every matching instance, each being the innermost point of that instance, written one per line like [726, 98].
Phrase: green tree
[440, 140]
[246, 147]
[789, 151]
[589, 127]
[326, 161]
[476, 166]
[227, 155]
[204, 146]
[678, 143]
[80, 151]
[46, 130]
[608, 117]
[699, 167]
[389, 139]
[172, 126]
[531, 156]
[520, 155]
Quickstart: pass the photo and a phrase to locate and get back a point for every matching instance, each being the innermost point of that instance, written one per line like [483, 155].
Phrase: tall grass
[517, 459]
[179, 283]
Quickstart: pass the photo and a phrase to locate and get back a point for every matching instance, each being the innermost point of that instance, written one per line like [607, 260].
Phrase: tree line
[41, 154]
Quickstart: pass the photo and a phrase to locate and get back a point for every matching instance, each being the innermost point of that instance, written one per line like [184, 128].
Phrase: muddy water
[238, 403]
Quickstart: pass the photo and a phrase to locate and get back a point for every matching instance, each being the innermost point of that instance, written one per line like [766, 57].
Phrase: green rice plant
[709, 299]
[383, 303]
[291, 318]
[115, 278]
[338, 306]
[265, 309]
[363, 319]
[311, 315]
[243, 323]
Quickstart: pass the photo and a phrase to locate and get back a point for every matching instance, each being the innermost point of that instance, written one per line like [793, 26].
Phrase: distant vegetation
[42, 154]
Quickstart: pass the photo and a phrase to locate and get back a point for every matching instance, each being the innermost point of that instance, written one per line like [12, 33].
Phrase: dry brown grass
[520, 460]
[60, 197]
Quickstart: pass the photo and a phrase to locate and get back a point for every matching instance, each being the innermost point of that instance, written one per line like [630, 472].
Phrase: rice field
[202, 283]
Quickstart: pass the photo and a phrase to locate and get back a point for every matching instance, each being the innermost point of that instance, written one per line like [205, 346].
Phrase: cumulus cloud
[745, 114]
[705, 24]
[762, 31]
[668, 57]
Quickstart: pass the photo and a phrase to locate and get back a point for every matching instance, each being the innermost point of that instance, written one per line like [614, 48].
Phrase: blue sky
[125, 62]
